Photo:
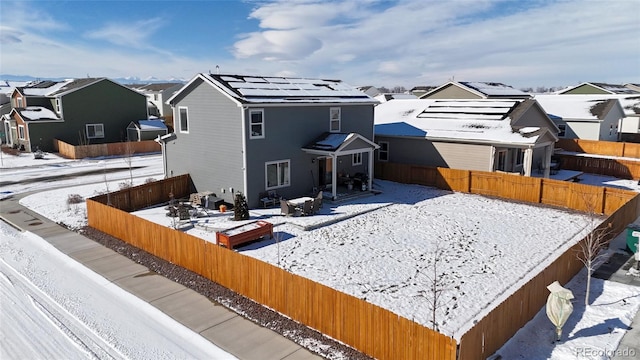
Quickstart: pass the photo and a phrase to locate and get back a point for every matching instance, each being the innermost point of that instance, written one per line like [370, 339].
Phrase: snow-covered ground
[385, 251]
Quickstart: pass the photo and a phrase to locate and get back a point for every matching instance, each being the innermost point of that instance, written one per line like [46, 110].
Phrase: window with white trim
[256, 120]
[183, 119]
[356, 159]
[19, 102]
[21, 133]
[383, 151]
[277, 174]
[334, 119]
[95, 131]
[563, 130]
[58, 106]
[501, 160]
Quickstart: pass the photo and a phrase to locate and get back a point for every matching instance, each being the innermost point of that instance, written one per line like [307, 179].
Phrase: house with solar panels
[76, 111]
[508, 135]
[255, 134]
[475, 90]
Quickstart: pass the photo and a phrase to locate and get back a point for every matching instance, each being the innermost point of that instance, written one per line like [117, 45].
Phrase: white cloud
[135, 35]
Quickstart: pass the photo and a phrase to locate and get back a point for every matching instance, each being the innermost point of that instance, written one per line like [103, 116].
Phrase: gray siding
[465, 156]
[287, 130]
[212, 150]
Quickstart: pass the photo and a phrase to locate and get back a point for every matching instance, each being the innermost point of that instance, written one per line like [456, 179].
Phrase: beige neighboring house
[594, 88]
[157, 94]
[635, 87]
[475, 90]
[510, 135]
[590, 117]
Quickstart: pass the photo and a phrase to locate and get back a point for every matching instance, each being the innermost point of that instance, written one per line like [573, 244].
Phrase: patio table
[300, 201]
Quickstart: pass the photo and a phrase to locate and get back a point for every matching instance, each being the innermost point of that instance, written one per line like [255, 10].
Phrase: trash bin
[632, 241]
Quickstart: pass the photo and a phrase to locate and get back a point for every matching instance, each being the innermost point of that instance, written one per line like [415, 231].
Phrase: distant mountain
[126, 80]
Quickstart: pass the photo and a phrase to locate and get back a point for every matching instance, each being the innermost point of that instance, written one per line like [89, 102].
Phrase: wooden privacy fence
[620, 168]
[493, 330]
[146, 195]
[366, 327]
[609, 148]
[110, 149]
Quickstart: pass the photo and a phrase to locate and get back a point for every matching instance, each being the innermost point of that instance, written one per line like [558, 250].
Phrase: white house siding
[465, 156]
[211, 152]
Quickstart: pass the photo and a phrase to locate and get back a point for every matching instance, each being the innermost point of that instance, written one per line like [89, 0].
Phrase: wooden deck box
[244, 233]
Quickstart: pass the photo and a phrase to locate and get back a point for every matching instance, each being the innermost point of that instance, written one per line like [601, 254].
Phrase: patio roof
[339, 144]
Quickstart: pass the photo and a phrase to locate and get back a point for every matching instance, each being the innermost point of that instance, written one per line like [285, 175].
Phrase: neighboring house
[475, 90]
[150, 129]
[6, 88]
[369, 90]
[390, 96]
[635, 87]
[510, 135]
[78, 112]
[418, 91]
[157, 95]
[593, 88]
[255, 134]
[590, 117]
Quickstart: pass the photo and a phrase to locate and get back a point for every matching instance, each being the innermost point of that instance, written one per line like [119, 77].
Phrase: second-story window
[563, 130]
[183, 118]
[19, 103]
[58, 106]
[256, 118]
[334, 119]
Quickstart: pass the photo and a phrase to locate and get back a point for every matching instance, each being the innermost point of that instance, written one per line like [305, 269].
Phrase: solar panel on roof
[255, 80]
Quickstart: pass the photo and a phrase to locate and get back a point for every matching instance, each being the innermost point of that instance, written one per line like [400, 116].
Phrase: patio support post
[334, 176]
[528, 161]
[370, 180]
[547, 160]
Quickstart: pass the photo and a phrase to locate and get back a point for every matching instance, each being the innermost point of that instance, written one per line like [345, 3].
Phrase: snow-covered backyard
[382, 248]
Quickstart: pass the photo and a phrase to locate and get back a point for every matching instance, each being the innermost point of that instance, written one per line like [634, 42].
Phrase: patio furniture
[316, 205]
[287, 208]
[319, 198]
[269, 199]
[307, 208]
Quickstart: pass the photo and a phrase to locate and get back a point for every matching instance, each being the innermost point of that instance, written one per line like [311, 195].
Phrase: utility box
[632, 241]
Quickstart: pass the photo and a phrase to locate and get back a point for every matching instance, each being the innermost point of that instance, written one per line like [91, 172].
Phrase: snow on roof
[495, 89]
[616, 89]
[43, 88]
[37, 113]
[151, 125]
[259, 89]
[7, 87]
[572, 106]
[330, 141]
[474, 120]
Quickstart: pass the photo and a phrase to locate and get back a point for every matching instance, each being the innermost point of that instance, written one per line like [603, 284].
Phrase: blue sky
[363, 42]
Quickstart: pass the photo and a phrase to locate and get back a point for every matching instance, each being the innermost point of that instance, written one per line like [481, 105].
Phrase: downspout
[370, 181]
[244, 156]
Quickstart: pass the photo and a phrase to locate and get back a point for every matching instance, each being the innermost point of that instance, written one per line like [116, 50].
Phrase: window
[383, 151]
[19, 100]
[277, 174]
[95, 131]
[256, 117]
[357, 159]
[334, 119]
[183, 117]
[21, 134]
[563, 130]
[58, 106]
[519, 157]
[501, 160]
[155, 97]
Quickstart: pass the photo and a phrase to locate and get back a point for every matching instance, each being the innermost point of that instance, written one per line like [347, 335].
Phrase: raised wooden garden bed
[244, 233]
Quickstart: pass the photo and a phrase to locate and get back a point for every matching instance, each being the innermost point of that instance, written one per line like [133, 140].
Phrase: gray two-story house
[78, 112]
[253, 134]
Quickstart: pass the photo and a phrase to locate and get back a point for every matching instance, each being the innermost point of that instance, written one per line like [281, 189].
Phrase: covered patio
[331, 149]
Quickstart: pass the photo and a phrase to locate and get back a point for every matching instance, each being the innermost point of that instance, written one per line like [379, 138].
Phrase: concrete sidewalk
[223, 327]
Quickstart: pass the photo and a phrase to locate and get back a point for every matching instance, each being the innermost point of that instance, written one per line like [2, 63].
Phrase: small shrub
[124, 185]
[74, 199]
[149, 180]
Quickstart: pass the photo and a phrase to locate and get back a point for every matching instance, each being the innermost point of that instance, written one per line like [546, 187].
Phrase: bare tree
[129, 150]
[590, 249]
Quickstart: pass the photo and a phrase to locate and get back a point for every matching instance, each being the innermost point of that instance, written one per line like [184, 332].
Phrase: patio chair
[286, 208]
[319, 198]
[317, 205]
[307, 208]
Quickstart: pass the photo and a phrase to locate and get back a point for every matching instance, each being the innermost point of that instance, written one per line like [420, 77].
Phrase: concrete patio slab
[149, 286]
[193, 310]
